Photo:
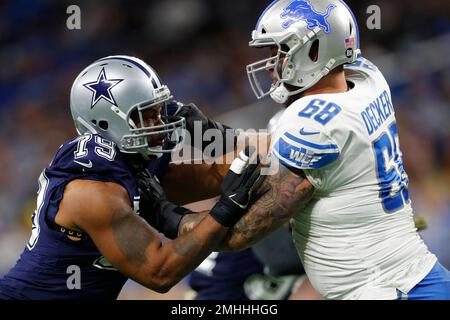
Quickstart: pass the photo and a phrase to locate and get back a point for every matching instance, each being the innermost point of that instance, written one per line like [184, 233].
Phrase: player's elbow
[162, 288]
[162, 280]
[161, 285]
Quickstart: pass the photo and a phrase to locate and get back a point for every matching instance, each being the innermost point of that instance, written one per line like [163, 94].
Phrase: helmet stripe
[155, 77]
[148, 71]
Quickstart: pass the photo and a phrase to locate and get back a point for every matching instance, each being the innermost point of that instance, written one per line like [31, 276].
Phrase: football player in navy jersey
[99, 209]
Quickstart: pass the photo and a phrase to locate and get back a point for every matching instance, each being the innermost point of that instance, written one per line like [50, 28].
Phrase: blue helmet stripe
[355, 21]
[147, 73]
[262, 15]
[151, 74]
[155, 78]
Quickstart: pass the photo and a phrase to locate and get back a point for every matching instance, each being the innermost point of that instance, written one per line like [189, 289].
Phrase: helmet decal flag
[101, 88]
[303, 10]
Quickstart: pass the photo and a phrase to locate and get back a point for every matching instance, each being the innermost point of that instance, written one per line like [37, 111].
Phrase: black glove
[193, 115]
[236, 190]
[154, 207]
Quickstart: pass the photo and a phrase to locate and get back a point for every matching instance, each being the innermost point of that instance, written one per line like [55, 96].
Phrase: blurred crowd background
[200, 49]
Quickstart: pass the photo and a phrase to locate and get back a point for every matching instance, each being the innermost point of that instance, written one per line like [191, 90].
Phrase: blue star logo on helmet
[101, 88]
[303, 10]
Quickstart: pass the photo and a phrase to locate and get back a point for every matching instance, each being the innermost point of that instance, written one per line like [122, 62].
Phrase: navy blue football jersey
[222, 275]
[46, 268]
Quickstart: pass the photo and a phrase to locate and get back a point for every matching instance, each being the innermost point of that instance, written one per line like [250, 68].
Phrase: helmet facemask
[173, 128]
[258, 73]
[289, 47]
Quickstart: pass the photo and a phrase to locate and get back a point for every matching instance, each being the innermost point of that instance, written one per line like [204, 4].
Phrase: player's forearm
[218, 169]
[204, 181]
[285, 194]
[254, 226]
[279, 197]
[184, 254]
[135, 248]
[179, 257]
[190, 221]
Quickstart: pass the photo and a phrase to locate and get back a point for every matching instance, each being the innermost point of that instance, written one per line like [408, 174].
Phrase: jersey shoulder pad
[92, 157]
[362, 64]
[304, 144]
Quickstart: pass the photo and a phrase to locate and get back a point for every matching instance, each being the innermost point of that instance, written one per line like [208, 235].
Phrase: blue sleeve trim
[310, 144]
[302, 158]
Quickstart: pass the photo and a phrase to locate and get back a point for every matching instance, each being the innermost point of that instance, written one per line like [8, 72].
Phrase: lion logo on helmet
[303, 10]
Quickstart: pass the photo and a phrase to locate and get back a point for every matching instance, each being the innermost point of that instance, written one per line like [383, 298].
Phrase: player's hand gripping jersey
[356, 238]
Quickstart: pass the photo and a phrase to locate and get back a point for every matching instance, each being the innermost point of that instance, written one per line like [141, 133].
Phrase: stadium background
[200, 50]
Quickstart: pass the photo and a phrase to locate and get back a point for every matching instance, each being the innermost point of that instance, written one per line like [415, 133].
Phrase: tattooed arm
[103, 211]
[284, 193]
[278, 198]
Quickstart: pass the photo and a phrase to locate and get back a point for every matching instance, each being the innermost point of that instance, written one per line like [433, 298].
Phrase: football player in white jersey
[341, 178]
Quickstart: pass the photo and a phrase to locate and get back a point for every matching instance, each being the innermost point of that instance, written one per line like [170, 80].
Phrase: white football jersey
[356, 238]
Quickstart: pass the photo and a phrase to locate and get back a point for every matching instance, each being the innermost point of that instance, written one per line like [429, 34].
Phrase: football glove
[154, 207]
[194, 116]
[236, 189]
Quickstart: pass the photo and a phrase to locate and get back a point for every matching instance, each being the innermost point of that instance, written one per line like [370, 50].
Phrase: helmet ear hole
[314, 51]
[94, 122]
[284, 47]
[103, 124]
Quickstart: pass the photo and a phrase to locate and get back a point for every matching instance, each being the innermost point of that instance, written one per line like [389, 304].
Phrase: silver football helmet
[109, 91]
[295, 27]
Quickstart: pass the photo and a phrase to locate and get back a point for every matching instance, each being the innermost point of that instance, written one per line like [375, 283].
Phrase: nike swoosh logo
[305, 133]
[84, 164]
[240, 205]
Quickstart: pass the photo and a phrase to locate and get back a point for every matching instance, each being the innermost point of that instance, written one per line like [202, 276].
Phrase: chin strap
[280, 95]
